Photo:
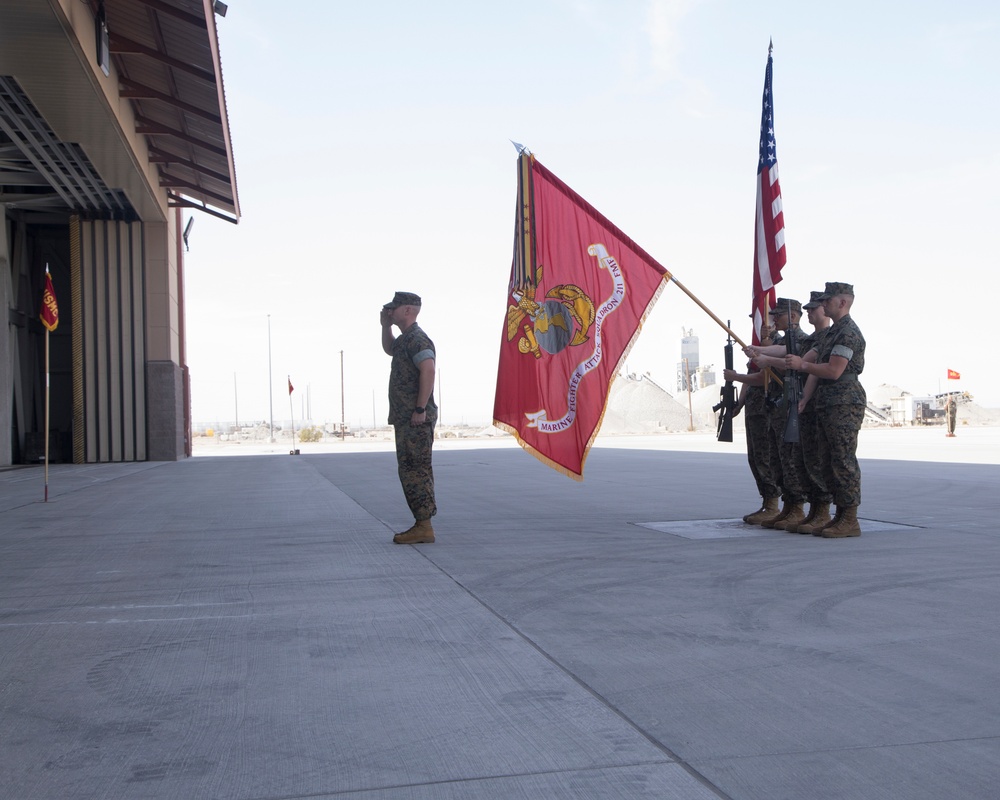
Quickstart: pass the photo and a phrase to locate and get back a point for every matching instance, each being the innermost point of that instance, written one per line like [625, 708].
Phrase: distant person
[951, 410]
[840, 403]
[412, 411]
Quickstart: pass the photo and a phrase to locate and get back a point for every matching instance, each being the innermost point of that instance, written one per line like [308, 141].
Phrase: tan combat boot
[770, 507]
[813, 508]
[420, 533]
[819, 518]
[834, 521]
[768, 520]
[795, 516]
[846, 526]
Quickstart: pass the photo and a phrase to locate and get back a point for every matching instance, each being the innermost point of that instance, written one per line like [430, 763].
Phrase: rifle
[727, 400]
[792, 387]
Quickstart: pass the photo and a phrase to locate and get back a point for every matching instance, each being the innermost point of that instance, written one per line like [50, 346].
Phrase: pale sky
[373, 155]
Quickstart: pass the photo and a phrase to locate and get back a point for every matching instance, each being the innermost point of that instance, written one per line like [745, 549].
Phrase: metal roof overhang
[151, 135]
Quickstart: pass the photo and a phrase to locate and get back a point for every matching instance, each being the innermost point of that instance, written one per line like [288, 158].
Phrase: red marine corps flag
[579, 292]
[769, 224]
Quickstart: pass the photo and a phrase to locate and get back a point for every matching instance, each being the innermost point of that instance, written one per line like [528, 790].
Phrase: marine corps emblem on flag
[571, 315]
[562, 319]
[578, 294]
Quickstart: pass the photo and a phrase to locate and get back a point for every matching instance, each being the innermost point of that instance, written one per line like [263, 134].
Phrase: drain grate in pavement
[738, 529]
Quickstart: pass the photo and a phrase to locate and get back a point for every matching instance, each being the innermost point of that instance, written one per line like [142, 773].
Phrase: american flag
[769, 227]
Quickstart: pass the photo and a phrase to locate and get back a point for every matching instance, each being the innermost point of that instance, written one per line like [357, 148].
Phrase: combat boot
[795, 516]
[819, 518]
[420, 533]
[770, 507]
[813, 508]
[846, 526]
[768, 520]
[834, 521]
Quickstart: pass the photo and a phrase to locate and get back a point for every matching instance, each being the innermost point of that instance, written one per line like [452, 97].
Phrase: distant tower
[689, 351]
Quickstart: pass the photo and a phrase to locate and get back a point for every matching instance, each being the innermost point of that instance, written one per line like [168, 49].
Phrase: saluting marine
[412, 411]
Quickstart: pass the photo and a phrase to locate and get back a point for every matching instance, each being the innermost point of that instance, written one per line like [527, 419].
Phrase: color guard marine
[782, 408]
[833, 367]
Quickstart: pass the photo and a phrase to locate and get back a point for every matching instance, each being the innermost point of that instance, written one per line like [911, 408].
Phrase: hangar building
[113, 124]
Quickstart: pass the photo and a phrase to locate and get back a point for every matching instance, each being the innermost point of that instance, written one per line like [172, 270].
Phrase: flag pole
[723, 325]
[707, 310]
[46, 411]
[291, 410]
[50, 319]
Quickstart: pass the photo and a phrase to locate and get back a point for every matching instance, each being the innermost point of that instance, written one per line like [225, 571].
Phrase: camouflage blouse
[811, 341]
[842, 339]
[408, 350]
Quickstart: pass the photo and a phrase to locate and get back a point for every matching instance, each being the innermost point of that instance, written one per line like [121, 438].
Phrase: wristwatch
[419, 409]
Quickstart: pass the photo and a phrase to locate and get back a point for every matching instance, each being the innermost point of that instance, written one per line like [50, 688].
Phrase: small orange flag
[290, 387]
[953, 376]
[50, 309]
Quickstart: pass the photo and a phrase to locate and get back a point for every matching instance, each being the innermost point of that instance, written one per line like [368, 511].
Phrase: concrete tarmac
[243, 627]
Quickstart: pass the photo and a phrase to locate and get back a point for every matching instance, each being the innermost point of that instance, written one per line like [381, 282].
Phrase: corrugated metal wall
[109, 354]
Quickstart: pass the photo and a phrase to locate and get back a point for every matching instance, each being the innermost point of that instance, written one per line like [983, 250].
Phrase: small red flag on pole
[50, 319]
[50, 309]
[291, 411]
[953, 376]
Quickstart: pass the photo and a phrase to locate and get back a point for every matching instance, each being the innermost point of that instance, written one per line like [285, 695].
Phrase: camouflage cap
[814, 300]
[781, 306]
[833, 289]
[403, 299]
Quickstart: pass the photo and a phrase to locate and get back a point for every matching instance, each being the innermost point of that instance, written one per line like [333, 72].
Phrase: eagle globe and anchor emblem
[561, 319]
[566, 317]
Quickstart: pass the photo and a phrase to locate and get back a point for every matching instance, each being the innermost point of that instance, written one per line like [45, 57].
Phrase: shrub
[311, 434]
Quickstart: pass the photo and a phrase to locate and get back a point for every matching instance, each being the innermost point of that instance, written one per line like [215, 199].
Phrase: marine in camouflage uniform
[411, 381]
[817, 492]
[793, 480]
[840, 402]
[765, 465]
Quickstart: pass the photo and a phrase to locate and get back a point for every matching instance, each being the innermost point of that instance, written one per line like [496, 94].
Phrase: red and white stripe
[768, 245]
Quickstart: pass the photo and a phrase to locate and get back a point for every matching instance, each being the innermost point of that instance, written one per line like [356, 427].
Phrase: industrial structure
[113, 121]
[690, 373]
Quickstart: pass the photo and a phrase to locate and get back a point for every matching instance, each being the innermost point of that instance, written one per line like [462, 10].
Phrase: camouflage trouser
[413, 456]
[815, 474]
[793, 480]
[766, 470]
[838, 440]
